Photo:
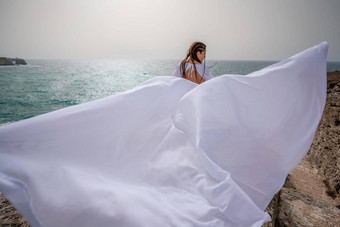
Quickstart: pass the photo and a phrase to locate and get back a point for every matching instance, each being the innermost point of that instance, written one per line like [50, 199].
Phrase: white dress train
[168, 152]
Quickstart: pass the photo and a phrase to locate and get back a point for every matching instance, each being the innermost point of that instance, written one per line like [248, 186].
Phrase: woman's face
[201, 55]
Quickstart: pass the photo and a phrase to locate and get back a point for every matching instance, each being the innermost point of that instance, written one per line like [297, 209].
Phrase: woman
[192, 66]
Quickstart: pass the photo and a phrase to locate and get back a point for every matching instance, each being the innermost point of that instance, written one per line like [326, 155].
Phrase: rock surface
[310, 195]
[9, 216]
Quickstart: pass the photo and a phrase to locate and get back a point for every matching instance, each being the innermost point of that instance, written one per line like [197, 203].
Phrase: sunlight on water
[46, 85]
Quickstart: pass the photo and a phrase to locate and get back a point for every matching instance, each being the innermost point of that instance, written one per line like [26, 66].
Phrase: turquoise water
[46, 85]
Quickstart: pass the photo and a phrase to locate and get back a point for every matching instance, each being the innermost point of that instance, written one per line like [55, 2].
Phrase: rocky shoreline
[12, 61]
[310, 195]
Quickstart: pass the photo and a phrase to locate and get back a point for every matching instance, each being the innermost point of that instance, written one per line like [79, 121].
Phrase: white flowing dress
[168, 152]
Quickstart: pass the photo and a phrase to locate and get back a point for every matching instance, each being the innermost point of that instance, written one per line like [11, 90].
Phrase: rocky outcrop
[325, 151]
[9, 216]
[5, 61]
[20, 61]
[311, 193]
[12, 61]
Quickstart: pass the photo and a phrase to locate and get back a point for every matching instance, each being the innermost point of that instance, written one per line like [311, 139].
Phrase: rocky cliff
[310, 196]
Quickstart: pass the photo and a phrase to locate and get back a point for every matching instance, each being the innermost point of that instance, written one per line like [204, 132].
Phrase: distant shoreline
[12, 61]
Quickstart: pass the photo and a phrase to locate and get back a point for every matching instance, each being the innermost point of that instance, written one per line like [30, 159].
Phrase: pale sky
[119, 29]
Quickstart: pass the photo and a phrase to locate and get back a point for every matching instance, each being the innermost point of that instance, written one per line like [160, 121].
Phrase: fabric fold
[168, 152]
[262, 124]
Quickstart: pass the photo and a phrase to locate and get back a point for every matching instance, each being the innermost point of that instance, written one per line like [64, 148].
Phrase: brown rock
[9, 216]
[325, 151]
[298, 209]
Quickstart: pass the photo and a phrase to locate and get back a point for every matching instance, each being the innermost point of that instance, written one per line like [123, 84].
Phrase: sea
[43, 86]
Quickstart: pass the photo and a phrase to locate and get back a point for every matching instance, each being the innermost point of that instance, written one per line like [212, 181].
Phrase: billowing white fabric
[168, 152]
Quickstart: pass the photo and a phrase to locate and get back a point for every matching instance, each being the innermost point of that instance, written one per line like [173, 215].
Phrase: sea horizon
[46, 85]
[331, 65]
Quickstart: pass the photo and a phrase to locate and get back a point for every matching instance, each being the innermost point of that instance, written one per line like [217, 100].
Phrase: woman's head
[196, 52]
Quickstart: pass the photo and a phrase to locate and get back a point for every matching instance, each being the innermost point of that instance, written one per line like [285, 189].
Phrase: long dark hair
[192, 54]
